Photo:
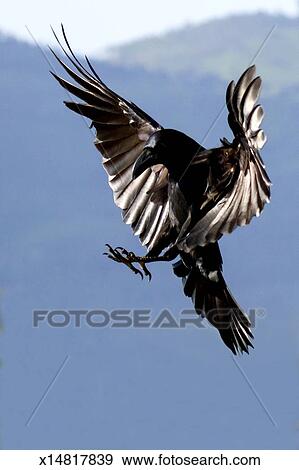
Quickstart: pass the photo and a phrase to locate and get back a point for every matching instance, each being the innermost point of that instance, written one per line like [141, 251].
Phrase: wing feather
[124, 198]
[122, 131]
[114, 166]
[240, 91]
[246, 194]
[244, 115]
[119, 180]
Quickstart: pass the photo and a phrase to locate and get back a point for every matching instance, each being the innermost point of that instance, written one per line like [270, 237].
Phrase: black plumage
[176, 195]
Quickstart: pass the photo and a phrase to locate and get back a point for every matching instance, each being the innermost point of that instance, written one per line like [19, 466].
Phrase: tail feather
[212, 298]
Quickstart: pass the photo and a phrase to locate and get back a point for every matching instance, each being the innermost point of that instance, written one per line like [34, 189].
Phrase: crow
[179, 197]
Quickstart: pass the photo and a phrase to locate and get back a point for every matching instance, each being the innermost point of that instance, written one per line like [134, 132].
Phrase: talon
[137, 271]
[121, 255]
[146, 272]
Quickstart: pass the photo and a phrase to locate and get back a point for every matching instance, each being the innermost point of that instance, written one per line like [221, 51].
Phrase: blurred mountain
[135, 388]
[221, 48]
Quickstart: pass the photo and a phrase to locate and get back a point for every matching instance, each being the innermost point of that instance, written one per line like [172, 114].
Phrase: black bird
[179, 197]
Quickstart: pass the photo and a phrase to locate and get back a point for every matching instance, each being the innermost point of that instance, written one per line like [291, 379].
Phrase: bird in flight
[179, 197]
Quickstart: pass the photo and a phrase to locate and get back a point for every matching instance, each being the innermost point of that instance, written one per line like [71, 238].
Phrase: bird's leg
[121, 255]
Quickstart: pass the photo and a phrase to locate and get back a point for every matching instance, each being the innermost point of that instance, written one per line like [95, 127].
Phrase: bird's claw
[121, 255]
[146, 272]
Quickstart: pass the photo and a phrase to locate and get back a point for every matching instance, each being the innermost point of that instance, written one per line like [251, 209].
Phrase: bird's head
[147, 159]
[172, 149]
[156, 152]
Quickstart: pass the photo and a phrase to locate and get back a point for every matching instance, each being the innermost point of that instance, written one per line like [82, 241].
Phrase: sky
[95, 25]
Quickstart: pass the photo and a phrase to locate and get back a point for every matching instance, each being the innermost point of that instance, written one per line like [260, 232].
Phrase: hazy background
[98, 24]
[141, 388]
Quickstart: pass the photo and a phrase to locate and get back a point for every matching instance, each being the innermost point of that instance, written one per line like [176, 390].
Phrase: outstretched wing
[248, 187]
[122, 131]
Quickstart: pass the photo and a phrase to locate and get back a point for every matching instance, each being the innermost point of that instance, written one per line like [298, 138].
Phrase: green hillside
[222, 47]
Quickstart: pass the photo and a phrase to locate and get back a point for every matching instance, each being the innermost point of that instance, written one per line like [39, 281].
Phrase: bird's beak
[145, 161]
[205, 156]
